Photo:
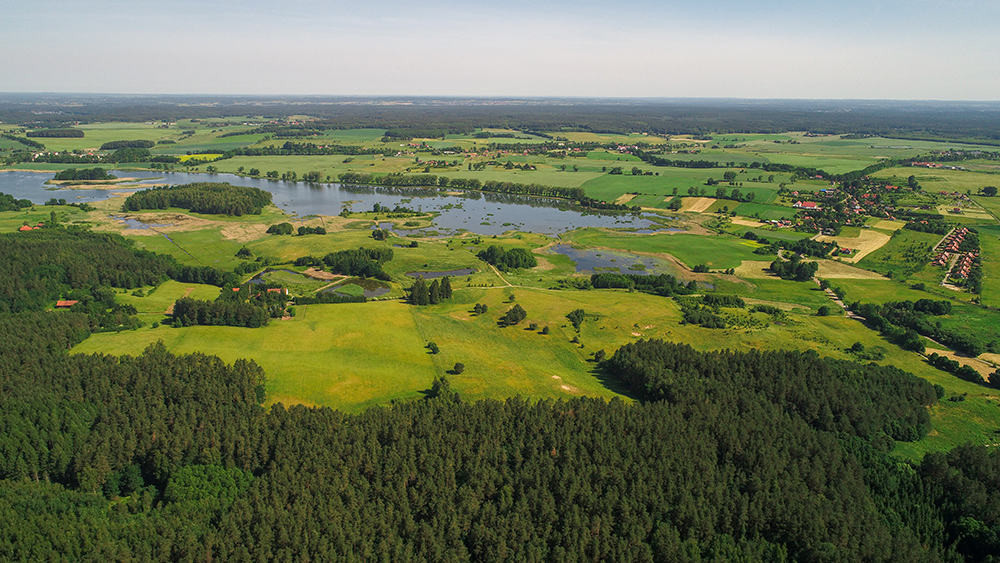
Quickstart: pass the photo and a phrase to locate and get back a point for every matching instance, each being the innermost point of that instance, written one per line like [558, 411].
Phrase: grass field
[715, 251]
[906, 253]
[354, 355]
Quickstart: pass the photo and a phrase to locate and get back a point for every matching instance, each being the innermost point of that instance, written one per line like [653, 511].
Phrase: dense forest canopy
[754, 456]
[669, 116]
[201, 197]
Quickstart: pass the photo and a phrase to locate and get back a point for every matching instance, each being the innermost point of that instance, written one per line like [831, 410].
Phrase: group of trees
[201, 197]
[507, 259]
[96, 173]
[190, 312]
[56, 132]
[513, 316]
[131, 144]
[40, 266]
[904, 321]
[422, 293]
[10, 203]
[660, 284]
[280, 229]
[794, 269]
[728, 455]
[429, 180]
[363, 262]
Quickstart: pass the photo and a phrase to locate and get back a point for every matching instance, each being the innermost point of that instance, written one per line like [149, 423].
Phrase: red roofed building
[24, 228]
[806, 205]
[66, 304]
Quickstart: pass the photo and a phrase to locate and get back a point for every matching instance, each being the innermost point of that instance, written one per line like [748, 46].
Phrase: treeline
[56, 133]
[136, 144]
[96, 173]
[423, 293]
[660, 284]
[26, 142]
[191, 312]
[794, 269]
[429, 180]
[201, 197]
[290, 148]
[40, 266]
[363, 262]
[741, 456]
[10, 203]
[829, 395]
[507, 259]
[902, 321]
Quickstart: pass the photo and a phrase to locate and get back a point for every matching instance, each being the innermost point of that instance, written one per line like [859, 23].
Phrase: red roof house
[66, 304]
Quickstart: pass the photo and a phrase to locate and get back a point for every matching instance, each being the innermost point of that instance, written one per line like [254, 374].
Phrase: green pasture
[907, 253]
[989, 241]
[715, 251]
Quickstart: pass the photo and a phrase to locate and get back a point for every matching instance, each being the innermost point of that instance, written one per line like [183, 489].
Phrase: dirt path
[170, 309]
[980, 366]
[497, 272]
[625, 198]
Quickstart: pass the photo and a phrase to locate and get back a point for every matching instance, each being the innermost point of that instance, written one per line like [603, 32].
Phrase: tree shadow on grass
[610, 382]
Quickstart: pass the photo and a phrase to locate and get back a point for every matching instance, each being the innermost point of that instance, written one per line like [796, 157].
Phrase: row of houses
[949, 246]
[963, 266]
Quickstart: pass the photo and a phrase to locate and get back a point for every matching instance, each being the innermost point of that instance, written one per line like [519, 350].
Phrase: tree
[458, 368]
[513, 316]
[446, 287]
[420, 293]
[823, 311]
[433, 347]
[576, 318]
[434, 292]
[990, 191]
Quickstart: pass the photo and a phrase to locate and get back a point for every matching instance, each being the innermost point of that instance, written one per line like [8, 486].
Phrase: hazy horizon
[886, 50]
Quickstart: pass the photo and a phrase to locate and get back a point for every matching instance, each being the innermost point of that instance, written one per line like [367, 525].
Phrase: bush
[458, 369]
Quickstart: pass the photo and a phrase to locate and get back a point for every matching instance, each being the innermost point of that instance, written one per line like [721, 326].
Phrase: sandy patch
[625, 198]
[543, 265]
[888, 225]
[990, 358]
[696, 204]
[834, 270]
[746, 222]
[321, 275]
[865, 243]
[754, 269]
[980, 366]
[243, 232]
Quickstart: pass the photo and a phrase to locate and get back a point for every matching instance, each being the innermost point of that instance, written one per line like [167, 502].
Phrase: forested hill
[727, 456]
[619, 115]
[172, 457]
[202, 197]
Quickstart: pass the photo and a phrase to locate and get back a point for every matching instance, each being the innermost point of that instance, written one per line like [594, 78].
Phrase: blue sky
[915, 49]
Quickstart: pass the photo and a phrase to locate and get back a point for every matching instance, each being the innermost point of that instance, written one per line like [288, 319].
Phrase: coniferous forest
[729, 456]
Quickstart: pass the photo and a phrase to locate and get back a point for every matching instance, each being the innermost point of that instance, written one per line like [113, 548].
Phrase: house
[66, 304]
[25, 228]
[805, 205]
[281, 290]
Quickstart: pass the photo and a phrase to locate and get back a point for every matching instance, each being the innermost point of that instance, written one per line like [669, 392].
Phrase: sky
[874, 49]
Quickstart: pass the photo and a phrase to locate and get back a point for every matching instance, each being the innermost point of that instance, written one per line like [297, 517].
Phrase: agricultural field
[354, 355]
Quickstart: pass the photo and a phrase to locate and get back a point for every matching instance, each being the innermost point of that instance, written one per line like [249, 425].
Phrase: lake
[477, 212]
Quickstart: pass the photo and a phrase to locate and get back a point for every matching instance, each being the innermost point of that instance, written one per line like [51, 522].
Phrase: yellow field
[865, 243]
